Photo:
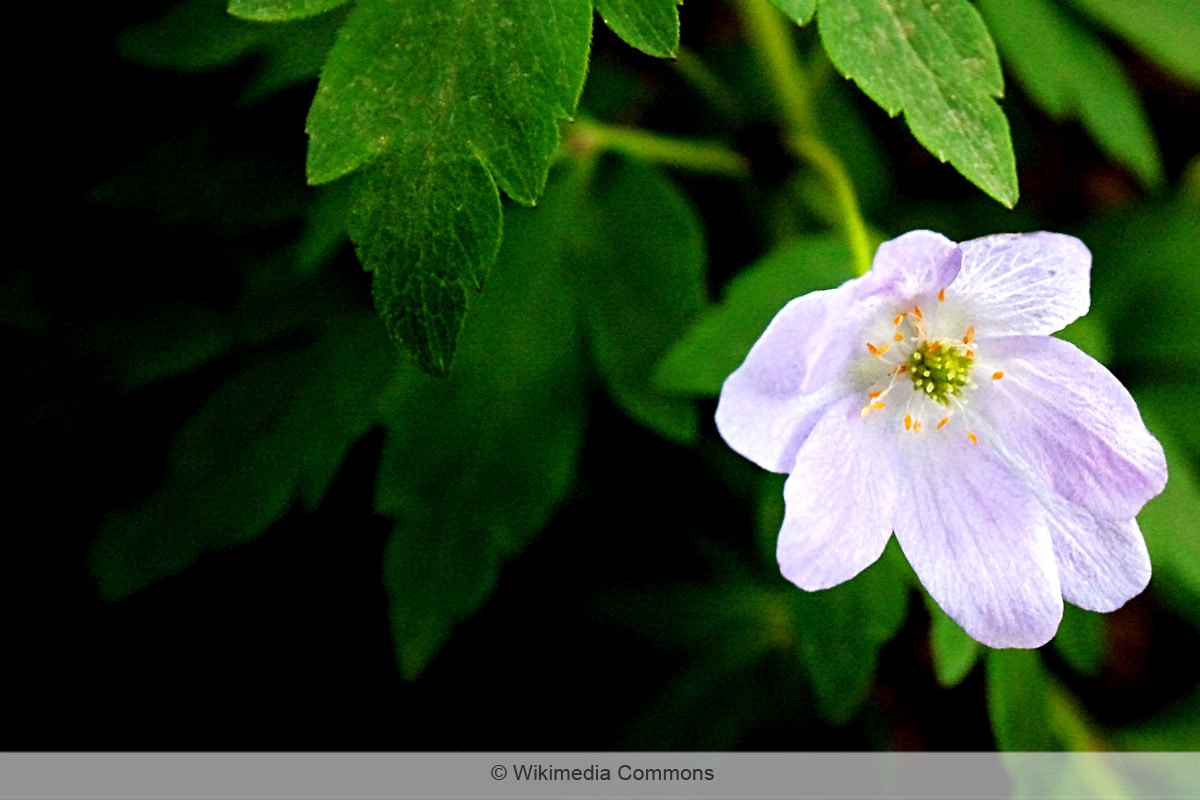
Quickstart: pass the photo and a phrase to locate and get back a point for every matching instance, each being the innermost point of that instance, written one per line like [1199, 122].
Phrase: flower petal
[919, 262]
[977, 539]
[1031, 283]
[840, 500]
[1071, 423]
[764, 412]
[1102, 564]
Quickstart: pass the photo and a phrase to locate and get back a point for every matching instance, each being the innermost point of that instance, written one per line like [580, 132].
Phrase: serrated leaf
[458, 97]
[1071, 74]
[274, 433]
[475, 463]
[954, 651]
[798, 11]
[1018, 699]
[718, 341]
[280, 10]
[651, 26]
[642, 282]
[426, 256]
[1165, 30]
[934, 61]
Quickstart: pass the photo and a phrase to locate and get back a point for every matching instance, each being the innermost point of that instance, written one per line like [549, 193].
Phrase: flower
[927, 398]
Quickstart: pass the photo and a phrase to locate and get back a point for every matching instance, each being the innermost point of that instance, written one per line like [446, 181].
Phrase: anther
[875, 394]
[942, 295]
[917, 426]
[908, 422]
[899, 317]
[899, 337]
[997, 375]
[942, 424]
[969, 336]
[917, 311]
[971, 436]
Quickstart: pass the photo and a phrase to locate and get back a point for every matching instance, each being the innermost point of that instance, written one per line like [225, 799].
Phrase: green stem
[825, 162]
[702, 80]
[589, 138]
[770, 33]
[772, 38]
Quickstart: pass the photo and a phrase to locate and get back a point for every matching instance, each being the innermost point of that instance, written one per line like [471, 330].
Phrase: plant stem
[589, 138]
[771, 36]
[824, 161]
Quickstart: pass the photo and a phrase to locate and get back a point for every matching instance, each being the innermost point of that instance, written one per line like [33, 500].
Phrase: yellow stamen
[907, 422]
[917, 426]
[942, 424]
[969, 335]
[917, 311]
[941, 295]
[970, 353]
[899, 317]
[971, 436]
[875, 394]
[876, 406]
[997, 375]
[899, 337]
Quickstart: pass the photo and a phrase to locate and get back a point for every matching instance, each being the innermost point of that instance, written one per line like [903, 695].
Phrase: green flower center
[940, 369]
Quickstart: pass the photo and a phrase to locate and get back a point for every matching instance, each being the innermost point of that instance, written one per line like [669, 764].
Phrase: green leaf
[934, 61]
[1071, 74]
[449, 99]
[841, 631]
[717, 343]
[954, 651]
[1169, 521]
[798, 11]
[651, 26]
[276, 432]
[426, 256]
[280, 10]
[198, 36]
[1018, 693]
[642, 282]
[1080, 640]
[475, 463]
[1165, 30]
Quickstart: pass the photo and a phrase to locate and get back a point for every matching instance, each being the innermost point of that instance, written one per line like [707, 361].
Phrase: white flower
[928, 398]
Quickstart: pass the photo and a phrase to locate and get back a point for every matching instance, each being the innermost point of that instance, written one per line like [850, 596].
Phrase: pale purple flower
[928, 398]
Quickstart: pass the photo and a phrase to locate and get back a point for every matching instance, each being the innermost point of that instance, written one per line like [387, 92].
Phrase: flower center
[940, 369]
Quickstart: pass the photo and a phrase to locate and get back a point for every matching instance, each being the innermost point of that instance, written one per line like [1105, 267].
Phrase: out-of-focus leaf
[280, 10]
[475, 463]
[641, 267]
[1071, 74]
[1165, 30]
[954, 651]
[841, 631]
[717, 342]
[1172, 730]
[274, 433]
[325, 232]
[935, 62]
[1146, 286]
[1018, 693]
[798, 11]
[1080, 640]
[1169, 523]
[651, 26]
[447, 101]
[198, 36]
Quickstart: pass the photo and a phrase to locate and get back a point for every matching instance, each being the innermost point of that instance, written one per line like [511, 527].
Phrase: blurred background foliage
[240, 519]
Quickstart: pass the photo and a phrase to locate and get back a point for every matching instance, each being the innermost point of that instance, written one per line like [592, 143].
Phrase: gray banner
[829, 776]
